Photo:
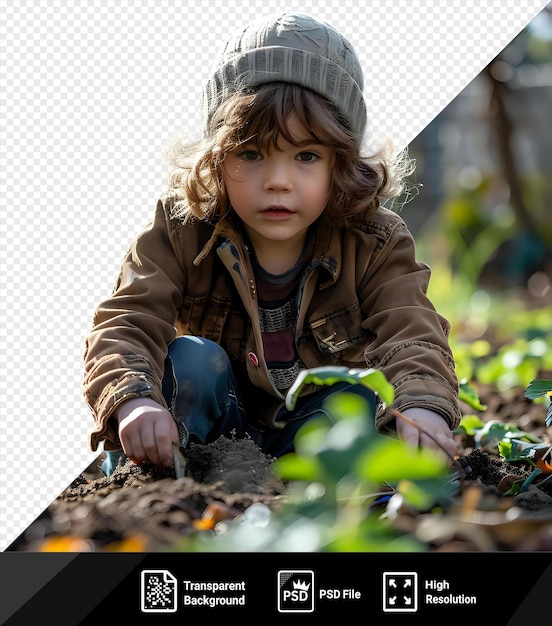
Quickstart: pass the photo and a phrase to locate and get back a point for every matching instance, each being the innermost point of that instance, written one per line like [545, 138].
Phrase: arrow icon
[395, 601]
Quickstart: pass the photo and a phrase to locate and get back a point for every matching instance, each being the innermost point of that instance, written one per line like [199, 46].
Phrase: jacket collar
[326, 252]
[225, 228]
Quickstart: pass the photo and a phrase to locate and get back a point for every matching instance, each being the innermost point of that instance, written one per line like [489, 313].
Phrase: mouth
[277, 211]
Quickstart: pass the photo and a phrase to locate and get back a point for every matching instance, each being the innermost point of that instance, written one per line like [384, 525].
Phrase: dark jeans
[201, 391]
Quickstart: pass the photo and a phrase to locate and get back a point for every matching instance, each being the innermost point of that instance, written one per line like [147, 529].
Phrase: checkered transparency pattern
[92, 89]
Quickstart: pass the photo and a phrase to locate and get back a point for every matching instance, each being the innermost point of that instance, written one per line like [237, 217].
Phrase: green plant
[510, 362]
[541, 389]
[345, 482]
[512, 444]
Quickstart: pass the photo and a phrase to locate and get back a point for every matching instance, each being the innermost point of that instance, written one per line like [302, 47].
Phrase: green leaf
[346, 405]
[392, 460]
[292, 466]
[311, 437]
[371, 534]
[494, 432]
[423, 494]
[329, 375]
[519, 450]
[470, 424]
[538, 388]
[378, 383]
[338, 438]
[468, 395]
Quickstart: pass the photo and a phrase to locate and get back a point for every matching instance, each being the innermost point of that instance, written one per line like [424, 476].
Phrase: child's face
[279, 193]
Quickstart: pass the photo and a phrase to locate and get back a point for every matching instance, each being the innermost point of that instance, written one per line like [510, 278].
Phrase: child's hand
[431, 422]
[147, 431]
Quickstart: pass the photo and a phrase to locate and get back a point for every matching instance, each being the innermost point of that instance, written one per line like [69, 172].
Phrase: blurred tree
[485, 164]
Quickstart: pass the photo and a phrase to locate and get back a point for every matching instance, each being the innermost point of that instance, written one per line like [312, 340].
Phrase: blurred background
[481, 209]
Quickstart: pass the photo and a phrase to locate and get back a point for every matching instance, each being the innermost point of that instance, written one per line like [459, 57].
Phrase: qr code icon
[158, 591]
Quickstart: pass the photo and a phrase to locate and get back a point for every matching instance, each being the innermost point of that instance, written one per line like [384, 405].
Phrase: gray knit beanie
[292, 48]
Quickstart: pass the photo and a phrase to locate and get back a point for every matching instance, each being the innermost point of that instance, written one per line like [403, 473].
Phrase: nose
[277, 175]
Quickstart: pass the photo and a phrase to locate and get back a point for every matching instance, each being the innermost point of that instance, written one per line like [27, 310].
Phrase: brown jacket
[363, 304]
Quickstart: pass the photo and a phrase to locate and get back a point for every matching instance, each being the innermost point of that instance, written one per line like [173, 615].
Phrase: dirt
[143, 508]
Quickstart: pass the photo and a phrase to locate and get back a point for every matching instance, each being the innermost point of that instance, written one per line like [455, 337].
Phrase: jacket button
[253, 359]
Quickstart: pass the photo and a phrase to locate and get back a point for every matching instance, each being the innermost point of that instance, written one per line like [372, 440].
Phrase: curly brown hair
[358, 184]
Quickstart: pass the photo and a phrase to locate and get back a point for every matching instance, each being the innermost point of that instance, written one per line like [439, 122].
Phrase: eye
[307, 157]
[250, 155]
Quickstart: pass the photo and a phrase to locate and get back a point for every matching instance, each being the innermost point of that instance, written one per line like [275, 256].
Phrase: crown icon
[299, 584]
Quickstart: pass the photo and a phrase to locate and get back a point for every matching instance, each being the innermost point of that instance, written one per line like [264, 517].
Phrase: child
[269, 254]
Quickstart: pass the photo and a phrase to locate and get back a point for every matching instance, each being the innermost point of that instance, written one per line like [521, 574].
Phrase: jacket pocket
[341, 332]
[203, 317]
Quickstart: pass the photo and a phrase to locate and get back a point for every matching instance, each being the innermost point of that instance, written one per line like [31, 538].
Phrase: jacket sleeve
[409, 339]
[125, 350]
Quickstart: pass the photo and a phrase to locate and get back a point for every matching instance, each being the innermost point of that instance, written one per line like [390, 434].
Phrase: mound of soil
[143, 507]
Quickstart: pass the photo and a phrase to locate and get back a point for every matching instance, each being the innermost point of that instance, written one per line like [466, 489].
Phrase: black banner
[168, 588]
